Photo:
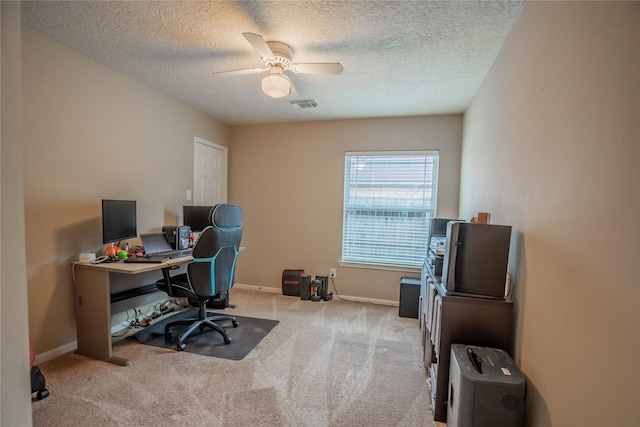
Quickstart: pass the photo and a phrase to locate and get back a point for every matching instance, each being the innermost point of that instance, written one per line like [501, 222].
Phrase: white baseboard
[346, 297]
[370, 300]
[257, 288]
[52, 354]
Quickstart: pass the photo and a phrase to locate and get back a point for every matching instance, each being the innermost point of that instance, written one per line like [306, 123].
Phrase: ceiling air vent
[304, 103]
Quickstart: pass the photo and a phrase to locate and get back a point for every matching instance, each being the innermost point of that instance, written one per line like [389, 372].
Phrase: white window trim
[412, 267]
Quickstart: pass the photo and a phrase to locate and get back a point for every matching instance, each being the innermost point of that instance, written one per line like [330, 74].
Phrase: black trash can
[409, 297]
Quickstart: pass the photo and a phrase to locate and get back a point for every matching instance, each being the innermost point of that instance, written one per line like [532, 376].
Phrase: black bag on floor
[38, 383]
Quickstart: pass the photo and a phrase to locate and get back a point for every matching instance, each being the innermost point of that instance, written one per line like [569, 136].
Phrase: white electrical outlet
[188, 194]
[332, 273]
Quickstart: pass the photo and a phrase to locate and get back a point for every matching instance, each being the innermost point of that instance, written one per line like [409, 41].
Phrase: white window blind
[389, 200]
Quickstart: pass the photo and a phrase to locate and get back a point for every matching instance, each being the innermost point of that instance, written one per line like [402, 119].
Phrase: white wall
[15, 389]
[551, 146]
[91, 133]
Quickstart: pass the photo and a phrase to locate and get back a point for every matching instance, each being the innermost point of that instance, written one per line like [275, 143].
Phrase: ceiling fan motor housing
[281, 55]
[276, 58]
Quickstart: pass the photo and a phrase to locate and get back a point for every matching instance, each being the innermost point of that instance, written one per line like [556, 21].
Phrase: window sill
[385, 267]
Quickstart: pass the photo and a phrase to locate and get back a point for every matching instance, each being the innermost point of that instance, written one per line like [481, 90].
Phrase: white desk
[93, 288]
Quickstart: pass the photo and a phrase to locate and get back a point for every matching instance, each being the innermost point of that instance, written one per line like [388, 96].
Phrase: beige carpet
[332, 363]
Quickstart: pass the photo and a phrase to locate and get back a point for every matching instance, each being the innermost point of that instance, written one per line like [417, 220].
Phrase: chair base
[204, 320]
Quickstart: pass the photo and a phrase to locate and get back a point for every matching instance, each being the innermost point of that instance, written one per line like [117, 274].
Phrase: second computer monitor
[196, 217]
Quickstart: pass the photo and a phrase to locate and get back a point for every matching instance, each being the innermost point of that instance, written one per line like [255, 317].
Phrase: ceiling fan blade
[241, 72]
[259, 45]
[294, 92]
[328, 68]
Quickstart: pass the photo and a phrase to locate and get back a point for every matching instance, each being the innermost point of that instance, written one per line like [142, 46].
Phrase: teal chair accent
[210, 274]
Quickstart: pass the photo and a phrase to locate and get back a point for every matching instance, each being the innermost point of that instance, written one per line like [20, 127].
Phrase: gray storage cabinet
[486, 388]
[454, 320]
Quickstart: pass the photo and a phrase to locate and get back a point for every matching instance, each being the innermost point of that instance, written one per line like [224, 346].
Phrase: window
[389, 200]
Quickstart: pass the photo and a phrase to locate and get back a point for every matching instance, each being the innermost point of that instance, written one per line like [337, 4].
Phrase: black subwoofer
[291, 280]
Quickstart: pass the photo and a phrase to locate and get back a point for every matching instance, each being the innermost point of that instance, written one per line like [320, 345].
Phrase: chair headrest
[225, 215]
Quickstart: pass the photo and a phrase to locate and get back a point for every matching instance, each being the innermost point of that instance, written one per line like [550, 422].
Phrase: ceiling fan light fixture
[276, 86]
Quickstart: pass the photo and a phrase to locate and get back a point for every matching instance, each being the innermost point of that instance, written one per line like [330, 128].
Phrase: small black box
[409, 297]
[291, 280]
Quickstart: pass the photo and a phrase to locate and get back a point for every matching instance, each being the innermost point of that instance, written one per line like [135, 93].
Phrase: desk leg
[93, 315]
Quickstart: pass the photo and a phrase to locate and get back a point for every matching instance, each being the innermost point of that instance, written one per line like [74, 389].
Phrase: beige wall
[551, 146]
[289, 179]
[92, 133]
[15, 389]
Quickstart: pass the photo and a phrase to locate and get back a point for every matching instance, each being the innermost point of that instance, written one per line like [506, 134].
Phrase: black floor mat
[244, 338]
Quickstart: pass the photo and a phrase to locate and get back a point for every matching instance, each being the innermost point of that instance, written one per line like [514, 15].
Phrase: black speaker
[179, 236]
[409, 297]
[291, 282]
[305, 287]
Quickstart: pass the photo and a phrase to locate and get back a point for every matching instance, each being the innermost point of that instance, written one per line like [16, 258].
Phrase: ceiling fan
[276, 58]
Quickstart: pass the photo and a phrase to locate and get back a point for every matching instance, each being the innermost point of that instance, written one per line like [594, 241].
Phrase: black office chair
[211, 272]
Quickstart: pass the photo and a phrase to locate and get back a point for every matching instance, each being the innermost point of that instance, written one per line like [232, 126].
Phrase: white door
[209, 173]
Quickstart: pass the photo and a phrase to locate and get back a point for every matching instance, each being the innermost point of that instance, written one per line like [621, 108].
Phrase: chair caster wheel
[167, 333]
[235, 323]
[227, 340]
[181, 346]
[42, 394]
[201, 328]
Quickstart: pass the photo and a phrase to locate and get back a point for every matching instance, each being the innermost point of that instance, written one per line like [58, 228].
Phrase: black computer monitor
[119, 220]
[196, 217]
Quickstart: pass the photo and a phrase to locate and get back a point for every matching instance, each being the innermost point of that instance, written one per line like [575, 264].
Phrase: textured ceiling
[400, 58]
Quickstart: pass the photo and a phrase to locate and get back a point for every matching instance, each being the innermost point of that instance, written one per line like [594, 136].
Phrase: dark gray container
[409, 297]
[486, 388]
[305, 284]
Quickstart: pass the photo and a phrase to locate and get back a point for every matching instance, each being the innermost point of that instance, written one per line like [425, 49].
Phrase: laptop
[157, 248]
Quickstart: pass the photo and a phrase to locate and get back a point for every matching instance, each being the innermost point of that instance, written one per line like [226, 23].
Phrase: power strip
[87, 257]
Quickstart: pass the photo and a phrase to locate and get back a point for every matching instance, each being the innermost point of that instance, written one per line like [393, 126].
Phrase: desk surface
[132, 268]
